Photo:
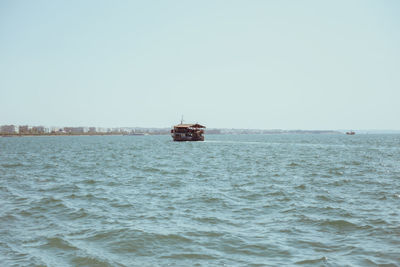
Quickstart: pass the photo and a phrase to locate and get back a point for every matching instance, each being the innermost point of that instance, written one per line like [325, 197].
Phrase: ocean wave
[239, 201]
[12, 165]
[59, 243]
[183, 256]
[312, 261]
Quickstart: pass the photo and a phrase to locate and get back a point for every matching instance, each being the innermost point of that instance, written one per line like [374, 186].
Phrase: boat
[188, 132]
[350, 133]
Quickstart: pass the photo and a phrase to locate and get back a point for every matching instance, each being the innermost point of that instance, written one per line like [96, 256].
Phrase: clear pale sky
[226, 64]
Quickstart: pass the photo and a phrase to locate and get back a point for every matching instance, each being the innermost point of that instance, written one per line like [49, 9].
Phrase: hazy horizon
[288, 65]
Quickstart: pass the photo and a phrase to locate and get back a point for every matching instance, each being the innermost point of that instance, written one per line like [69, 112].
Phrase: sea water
[233, 200]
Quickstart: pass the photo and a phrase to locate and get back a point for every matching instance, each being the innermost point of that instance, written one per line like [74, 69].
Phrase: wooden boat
[188, 132]
[350, 133]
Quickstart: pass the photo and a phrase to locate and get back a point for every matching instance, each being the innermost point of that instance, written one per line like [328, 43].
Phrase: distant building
[56, 130]
[74, 130]
[38, 130]
[23, 129]
[92, 129]
[7, 129]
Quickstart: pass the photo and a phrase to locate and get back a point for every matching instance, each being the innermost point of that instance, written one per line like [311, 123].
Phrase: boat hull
[180, 138]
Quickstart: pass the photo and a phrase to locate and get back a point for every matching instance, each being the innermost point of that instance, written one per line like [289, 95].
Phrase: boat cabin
[188, 132]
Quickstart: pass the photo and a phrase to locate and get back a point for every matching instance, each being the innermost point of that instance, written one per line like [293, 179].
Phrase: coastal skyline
[12, 129]
[226, 64]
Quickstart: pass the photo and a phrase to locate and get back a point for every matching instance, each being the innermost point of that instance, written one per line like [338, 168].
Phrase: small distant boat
[188, 132]
[350, 133]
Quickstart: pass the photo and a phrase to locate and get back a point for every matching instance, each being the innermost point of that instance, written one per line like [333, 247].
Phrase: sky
[258, 64]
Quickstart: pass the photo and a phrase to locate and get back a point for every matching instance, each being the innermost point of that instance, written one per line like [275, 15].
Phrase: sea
[232, 200]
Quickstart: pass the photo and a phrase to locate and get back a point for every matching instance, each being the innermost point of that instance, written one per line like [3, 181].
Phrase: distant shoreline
[208, 132]
[163, 133]
[59, 134]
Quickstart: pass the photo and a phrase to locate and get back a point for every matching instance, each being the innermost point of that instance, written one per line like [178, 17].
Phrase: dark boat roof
[196, 125]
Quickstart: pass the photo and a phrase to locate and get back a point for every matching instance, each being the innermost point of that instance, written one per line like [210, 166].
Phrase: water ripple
[258, 200]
